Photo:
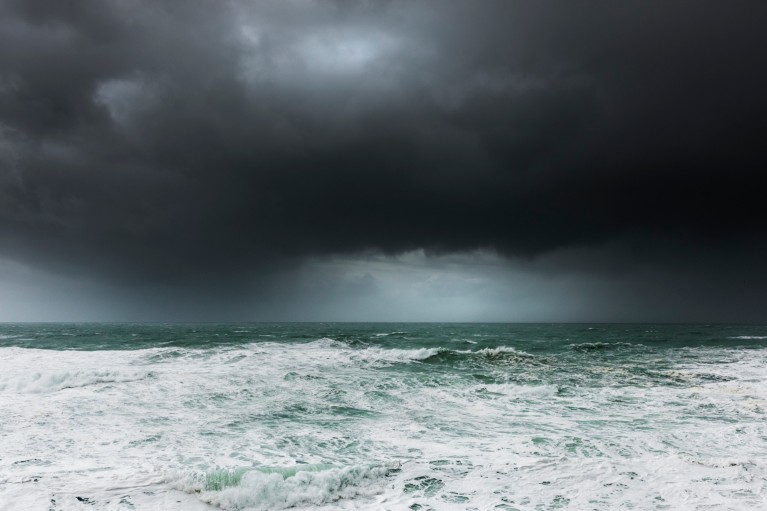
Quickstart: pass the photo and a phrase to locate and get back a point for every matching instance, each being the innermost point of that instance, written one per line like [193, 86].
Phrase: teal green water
[545, 353]
[384, 416]
[540, 338]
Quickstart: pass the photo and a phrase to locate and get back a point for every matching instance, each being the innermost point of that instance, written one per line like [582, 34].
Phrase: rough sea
[383, 416]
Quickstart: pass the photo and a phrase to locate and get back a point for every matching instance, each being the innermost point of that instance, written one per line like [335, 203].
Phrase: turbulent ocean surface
[383, 416]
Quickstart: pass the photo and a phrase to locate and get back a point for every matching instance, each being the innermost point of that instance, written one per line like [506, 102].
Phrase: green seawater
[563, 354]
[384, 416]
[538, 338]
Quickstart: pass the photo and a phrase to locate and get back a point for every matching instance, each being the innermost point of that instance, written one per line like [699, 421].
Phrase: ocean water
[383, 416]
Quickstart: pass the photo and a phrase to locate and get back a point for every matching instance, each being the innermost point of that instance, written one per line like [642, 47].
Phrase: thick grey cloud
[176, 140]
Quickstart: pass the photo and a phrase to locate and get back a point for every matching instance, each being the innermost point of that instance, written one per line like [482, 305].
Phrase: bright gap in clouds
[344, 52]
[321, 52]
[414, 286]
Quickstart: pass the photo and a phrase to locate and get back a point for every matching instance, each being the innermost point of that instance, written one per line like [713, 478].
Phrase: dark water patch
[486, 356]
[164, 355]
[220, 397]
[596, 347]
[485, 393]
[684, 379]
[349, 411]
[383, 397]
[455, 498]
[32, 461]
[144, 441]
[292, 375]
[706, 377]
[487, 378]
[293, 411]
[427, 486]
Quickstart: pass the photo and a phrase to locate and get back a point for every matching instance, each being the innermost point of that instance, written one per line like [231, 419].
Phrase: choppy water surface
[383, 416]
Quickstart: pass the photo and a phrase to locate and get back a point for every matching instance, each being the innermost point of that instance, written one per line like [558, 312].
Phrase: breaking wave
[395, 355]
[505, 354]
[281, 488]
[439, 355]
[37, 382]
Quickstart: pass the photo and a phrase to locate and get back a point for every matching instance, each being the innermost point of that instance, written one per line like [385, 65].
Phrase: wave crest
[382, 355]
[281, 488]
[37, 382]
[498, 354]
[440, 355]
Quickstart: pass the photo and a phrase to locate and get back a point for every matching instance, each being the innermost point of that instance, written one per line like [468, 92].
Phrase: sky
[383, 160]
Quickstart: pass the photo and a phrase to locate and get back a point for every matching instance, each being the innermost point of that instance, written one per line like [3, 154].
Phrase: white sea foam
[268, 489]
[393, 355]
[502, 351]
[462, 443]
[749, 337]
[37, 382]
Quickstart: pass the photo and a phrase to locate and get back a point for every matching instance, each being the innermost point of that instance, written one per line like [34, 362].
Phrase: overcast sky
[383, 160]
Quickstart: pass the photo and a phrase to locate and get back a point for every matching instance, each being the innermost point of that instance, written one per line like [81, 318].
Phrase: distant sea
[383, 416]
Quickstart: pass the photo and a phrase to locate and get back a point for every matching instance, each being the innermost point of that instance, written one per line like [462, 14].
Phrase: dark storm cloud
[176, 138]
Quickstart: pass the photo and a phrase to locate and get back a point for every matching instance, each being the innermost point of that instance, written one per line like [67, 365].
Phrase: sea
[383, 416]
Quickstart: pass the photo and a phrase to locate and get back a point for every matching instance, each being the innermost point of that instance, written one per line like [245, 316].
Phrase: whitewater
[383, 416]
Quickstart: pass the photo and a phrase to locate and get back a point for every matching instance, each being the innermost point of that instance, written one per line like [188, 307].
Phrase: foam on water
[263, 489]
[37, 382]
[347, 423]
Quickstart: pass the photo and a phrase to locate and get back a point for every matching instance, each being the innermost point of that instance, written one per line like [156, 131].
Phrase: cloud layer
[168, 141]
